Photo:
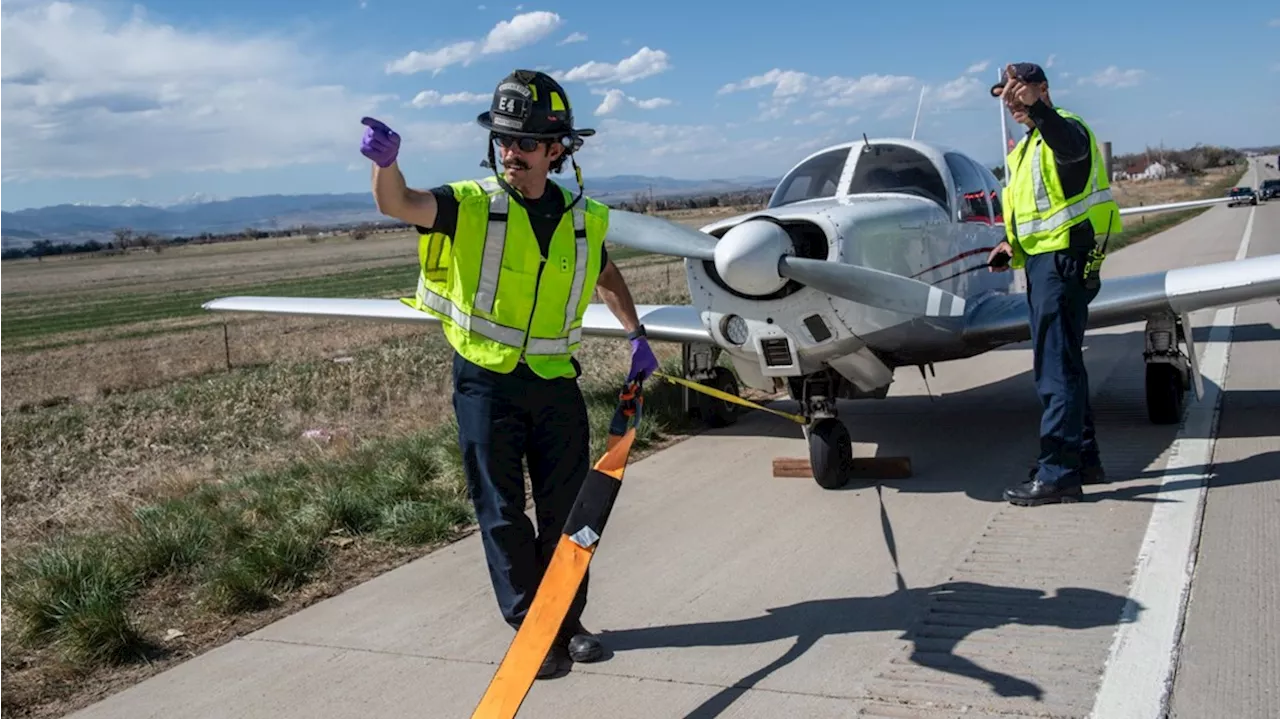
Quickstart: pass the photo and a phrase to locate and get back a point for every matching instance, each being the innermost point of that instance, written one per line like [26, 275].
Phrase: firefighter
[1057, 209]
[509, 264]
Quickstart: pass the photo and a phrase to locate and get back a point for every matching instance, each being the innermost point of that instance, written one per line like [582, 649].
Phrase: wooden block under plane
[860, 467]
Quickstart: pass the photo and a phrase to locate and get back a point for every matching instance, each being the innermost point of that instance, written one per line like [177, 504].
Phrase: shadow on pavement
[907, 610]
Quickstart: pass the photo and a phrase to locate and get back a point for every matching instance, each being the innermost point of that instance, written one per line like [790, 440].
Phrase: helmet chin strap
[492, 164]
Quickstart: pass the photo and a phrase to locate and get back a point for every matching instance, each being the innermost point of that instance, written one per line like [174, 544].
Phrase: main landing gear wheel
[717, 412]
[830, 453]
[1166, 391]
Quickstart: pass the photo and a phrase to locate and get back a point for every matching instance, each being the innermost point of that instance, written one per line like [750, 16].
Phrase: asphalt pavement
[721, 591]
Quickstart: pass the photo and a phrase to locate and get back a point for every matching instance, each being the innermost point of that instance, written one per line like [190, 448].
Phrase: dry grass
[1132, 193]
[142, 476]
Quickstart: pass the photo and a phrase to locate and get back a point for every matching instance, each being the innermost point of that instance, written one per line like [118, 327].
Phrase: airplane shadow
[982, 439]
[912, 611]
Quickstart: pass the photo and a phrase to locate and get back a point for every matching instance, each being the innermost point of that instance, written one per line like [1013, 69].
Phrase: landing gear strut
[1170, 372]
[830, 447]
[699, 365]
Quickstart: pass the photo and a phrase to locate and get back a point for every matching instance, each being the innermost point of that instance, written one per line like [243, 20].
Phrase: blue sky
[107, 102]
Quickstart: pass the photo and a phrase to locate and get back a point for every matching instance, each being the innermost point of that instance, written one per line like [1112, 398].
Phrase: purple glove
[380, 144]
[643, 363]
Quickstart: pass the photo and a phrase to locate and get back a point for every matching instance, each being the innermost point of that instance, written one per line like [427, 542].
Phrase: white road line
[1138, 680]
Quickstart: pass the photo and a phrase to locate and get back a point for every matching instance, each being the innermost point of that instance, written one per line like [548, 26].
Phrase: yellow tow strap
[713, 392]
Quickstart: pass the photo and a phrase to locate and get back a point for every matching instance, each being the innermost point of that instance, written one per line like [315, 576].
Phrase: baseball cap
[1025, 71]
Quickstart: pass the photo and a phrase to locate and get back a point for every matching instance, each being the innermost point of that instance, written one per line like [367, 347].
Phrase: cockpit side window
[893, 168]
[819, 176]
[971, 190]
[994, 189]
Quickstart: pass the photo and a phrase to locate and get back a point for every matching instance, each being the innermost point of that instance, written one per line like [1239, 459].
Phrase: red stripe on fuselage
[953, 260]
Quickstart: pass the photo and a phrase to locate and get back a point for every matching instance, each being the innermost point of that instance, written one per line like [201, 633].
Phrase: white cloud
[1275, 22]
[1049, 62]
[615, 99]
[508, 35]
[836, 91]
[956, 93]
[573, 37]
[1114, 77]
[520, 31]
[86, 96]
[433, 98]
[978, 66]
[644, 63]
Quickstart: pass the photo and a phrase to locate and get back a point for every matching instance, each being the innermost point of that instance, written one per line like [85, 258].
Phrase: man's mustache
[516, 164]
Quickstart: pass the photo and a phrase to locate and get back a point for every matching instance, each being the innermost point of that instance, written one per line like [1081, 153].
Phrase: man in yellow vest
[509, 263]
[1059, 213]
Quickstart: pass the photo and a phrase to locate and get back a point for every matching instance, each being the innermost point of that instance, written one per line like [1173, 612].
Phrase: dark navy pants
[1059, 314]
[502, 420]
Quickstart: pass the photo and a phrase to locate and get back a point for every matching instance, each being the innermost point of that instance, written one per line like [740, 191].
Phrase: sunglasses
[526, 144]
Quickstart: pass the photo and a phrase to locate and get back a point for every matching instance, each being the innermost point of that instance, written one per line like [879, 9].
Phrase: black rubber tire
[830, 453]
[1165, 393]
[717, 412]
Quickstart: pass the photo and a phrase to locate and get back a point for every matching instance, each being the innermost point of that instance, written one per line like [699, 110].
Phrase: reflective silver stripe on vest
[1065, 215]
[509, 336]
[580, 266]
[1037, 177]
[558, 346]
[495, 242]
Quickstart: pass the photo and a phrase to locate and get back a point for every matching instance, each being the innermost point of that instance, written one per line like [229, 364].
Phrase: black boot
[583, 646]
[1093, 475]
[553, 662]
[1036, 492]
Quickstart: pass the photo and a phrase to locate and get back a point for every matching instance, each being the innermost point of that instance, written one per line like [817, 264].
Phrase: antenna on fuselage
[919, 104]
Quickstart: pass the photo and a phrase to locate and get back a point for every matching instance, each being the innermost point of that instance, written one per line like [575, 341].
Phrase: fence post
[226, 345]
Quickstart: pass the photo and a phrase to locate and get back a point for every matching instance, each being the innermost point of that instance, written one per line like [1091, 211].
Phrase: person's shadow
[936, 619]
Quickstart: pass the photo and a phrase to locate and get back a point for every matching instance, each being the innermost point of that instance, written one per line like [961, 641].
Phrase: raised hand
[1018, 91]
[380, 143]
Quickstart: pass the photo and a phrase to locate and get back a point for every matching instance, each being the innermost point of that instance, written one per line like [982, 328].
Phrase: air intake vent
[777, 353]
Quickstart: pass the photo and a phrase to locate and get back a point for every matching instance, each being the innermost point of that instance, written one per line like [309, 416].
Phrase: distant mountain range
[199, 214]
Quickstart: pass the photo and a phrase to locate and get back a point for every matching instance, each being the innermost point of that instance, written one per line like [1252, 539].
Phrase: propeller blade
[652, 234]
[874, 288]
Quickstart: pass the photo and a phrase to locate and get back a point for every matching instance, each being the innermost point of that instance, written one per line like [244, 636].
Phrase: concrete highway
[721, 591]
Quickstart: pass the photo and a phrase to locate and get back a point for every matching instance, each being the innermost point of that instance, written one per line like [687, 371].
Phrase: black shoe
[553, 662]
[584, 646]
[1093, 475]
[1037, 492]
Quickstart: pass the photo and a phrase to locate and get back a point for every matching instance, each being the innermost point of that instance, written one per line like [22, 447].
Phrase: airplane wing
[673, 323]
[1004, 318]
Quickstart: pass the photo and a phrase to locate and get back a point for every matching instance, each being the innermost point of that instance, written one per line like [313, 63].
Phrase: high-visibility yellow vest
[498, 301]
[1038, 216]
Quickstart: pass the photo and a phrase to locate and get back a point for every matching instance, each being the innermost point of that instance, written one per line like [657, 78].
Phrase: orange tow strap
[568, 566]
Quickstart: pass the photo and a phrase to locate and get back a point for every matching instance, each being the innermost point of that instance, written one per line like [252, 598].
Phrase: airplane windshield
[893, 168]
[816, 177]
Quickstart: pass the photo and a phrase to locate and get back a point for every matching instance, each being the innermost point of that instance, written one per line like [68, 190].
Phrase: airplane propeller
[756, 257]
[663, 237]
[873, 288]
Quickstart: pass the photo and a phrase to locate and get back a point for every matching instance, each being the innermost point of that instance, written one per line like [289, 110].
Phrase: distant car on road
[1269, 189]
[1242, 196]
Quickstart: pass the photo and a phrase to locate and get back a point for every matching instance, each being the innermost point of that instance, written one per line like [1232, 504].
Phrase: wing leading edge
[1001, 319]
[672, 323]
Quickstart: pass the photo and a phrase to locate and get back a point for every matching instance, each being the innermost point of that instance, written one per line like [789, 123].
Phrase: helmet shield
[531, 104]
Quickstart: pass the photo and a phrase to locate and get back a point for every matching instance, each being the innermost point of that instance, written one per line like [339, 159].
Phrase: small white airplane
[870, 256]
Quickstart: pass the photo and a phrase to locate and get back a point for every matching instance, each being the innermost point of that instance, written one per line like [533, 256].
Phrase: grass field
[174, 478]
